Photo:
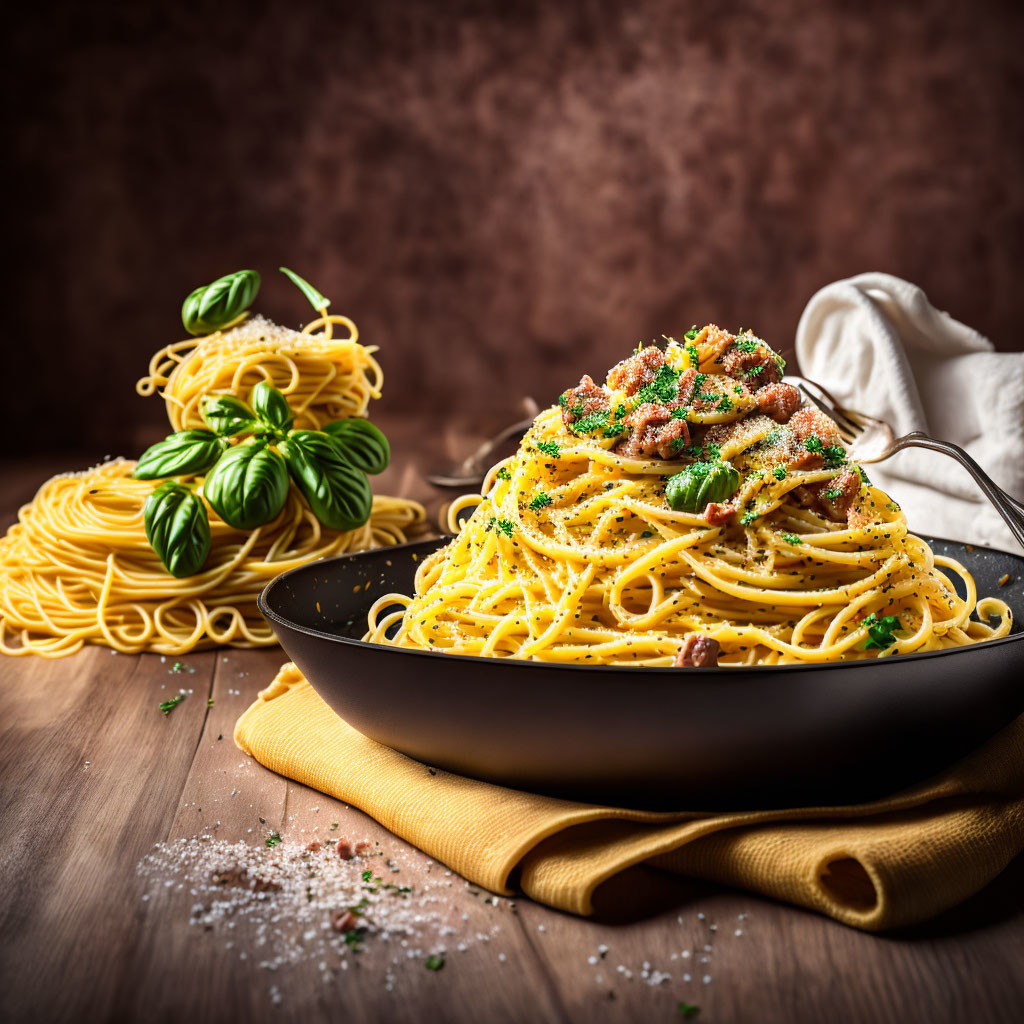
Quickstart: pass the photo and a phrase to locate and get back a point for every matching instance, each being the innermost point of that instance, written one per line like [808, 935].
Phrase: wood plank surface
[94, 775]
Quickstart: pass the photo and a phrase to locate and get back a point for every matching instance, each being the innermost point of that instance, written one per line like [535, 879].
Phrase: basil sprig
[211, 306]
[177, 528]
[363, 444]
[247, 483]
[180, 454]
[316, 300]
[271, 407]
[338, 493]
[226, 415]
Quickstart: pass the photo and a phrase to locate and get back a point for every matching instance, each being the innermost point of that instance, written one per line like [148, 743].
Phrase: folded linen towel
[882, 865]
[878, 345]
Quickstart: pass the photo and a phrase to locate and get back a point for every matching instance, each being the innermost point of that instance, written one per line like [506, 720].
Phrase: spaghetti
[574, 554]
[324, 378]
[77, 567]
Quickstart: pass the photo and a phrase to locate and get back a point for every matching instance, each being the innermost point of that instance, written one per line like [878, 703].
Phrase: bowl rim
[725, 670]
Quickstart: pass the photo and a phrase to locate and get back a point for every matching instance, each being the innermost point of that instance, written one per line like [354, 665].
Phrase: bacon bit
[344, 921]
[698, 651]
[758, 368]
[654, 433]
[1004, 579]
[806, 422]
[779, 401]
[685, 385]
[362, 847]
[582, 400]
[838, 508]
[345, 851]
[314, 846]
[718, 514]
[637, 371]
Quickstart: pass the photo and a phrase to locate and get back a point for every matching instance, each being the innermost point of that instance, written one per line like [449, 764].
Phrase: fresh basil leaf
[271, 407]
[180, 454]
[248, 486]
[226, 415]
[338, 492]
[700, 483]
[316, 300]
[361, 443]
[177, 528]
[212, 306]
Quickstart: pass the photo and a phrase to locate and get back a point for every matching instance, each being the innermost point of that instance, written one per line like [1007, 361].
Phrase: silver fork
[470, 471]
[872, 440]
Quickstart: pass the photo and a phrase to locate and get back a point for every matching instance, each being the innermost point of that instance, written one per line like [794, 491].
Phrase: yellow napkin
[881, 865]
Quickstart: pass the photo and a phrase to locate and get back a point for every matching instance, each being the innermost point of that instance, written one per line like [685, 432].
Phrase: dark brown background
[501, 195]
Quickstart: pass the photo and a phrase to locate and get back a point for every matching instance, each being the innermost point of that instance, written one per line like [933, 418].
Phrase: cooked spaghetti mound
[686, 512]
[77, 568]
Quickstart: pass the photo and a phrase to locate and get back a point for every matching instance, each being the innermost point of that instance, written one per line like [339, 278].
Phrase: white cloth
[879, 346]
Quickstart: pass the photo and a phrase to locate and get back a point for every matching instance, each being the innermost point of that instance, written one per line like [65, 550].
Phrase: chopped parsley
[691, 351]
[748, 517]
[688, 1009]
[773, 436]
[832, 493]
[863, 476]
[738, 390]
[691, 333]
[664, 387]
[779, 472]
[601, 420]
[549, 448]
[725, 404]
[274, 839]
[434, 962]
[504, 474]
[562, 400]
[712, 452]
[792, 539]
[835, 455]
[169, 705]
[367, 875]
[880, 631]
[506, 526]
[178, 667]
[813, 444]
[590, 423]
[540, 500]
[747, 345]
[679, 413]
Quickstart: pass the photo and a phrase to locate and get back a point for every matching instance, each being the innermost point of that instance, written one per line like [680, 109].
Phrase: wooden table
[93, 775]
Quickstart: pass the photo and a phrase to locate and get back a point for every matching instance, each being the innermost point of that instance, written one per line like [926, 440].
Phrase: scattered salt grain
[281, 900]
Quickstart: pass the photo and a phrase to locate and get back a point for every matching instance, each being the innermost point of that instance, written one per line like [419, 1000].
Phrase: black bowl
[686, 739]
